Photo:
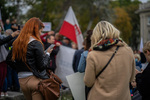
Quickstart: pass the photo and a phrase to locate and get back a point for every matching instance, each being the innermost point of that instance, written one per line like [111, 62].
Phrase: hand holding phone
[49, 48]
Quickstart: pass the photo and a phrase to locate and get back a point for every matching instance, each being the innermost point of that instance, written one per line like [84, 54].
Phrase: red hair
[31, 28]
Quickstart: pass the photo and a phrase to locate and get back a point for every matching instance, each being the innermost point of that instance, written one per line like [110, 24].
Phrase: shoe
[6, 94]
[2, 94]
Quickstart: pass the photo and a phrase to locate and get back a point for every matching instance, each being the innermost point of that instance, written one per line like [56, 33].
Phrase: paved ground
[13, 96]
[65, 95]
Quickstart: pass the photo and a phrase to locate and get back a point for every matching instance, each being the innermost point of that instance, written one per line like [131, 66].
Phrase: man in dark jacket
[143, 78]
[50, 39]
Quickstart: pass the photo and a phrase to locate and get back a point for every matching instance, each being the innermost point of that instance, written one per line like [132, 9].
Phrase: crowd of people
[112, 69]
[9, 77]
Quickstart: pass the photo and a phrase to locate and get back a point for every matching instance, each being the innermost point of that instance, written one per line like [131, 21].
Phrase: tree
[11, 9]
[88, 12]
[135, 21]
[130, 6]
[122, 22]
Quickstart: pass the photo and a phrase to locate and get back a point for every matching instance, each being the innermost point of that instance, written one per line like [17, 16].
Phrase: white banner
[77, 85]
[64, 61]
[48, 26]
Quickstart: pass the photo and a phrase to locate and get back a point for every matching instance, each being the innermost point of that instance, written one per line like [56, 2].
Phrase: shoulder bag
[49, 88]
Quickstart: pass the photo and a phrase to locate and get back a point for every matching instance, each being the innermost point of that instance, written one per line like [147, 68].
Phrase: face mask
[136, 60]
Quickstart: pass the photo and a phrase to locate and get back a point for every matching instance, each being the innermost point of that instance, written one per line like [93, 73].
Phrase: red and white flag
[1, 23]
[71, 29]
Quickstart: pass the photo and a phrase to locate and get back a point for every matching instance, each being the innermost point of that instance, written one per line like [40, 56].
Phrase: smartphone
[51, 47]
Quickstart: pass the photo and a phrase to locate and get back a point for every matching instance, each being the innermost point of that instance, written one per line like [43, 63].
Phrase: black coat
[143, 83]
[35, 59]
[52, 65]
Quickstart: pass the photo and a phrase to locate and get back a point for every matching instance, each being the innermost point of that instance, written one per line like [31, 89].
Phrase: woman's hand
[137, 72]
[49, 50]
[15, 33]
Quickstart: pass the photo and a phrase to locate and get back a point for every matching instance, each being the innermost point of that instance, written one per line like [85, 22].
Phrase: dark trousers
[12, 78]
[3, 72]
[4, 89]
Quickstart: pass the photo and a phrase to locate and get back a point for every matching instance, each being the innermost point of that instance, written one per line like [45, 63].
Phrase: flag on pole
[1, 23]
[71, 29]
[141, 45]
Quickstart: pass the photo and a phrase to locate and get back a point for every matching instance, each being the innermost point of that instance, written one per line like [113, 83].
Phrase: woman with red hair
[29, 59]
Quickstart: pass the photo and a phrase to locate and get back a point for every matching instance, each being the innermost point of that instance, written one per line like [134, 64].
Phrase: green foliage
[7, 11]
[129, 7]
[88, 13]
[122, 22]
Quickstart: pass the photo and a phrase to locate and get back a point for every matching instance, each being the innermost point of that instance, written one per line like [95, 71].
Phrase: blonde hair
[104, 30]
[137, 56]
[146, 47]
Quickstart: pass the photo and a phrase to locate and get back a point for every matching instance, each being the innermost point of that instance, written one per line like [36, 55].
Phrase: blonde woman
[113, 82]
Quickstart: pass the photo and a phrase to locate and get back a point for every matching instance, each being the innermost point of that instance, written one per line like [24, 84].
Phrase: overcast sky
[143, 1]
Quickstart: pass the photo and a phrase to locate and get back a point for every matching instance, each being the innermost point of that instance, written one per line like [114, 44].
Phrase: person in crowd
[76, 58]
[74, 45]
[12, 77]
[28, 58]
[3, 55]
[66, 42]
[45, 34]
[113, 82]
[82, 62]
[138, 60]
[5, 84]
[50, 39]
[57, 38]
[133, 87]
[135, 95]
[14, 25]
[143, 78]
[7, 25]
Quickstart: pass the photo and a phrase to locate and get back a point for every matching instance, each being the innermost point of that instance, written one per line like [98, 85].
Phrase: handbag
[49, 88]
[87, 89]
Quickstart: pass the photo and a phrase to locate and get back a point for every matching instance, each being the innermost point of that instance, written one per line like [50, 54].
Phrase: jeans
[12, 78]
[4, 89]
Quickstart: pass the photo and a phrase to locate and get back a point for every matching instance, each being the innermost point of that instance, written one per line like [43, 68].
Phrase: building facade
[144, 12]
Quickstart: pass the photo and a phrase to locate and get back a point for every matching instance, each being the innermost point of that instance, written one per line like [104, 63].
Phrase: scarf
[106, 44]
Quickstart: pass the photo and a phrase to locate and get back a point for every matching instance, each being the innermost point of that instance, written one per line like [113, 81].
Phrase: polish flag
[71, 29]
